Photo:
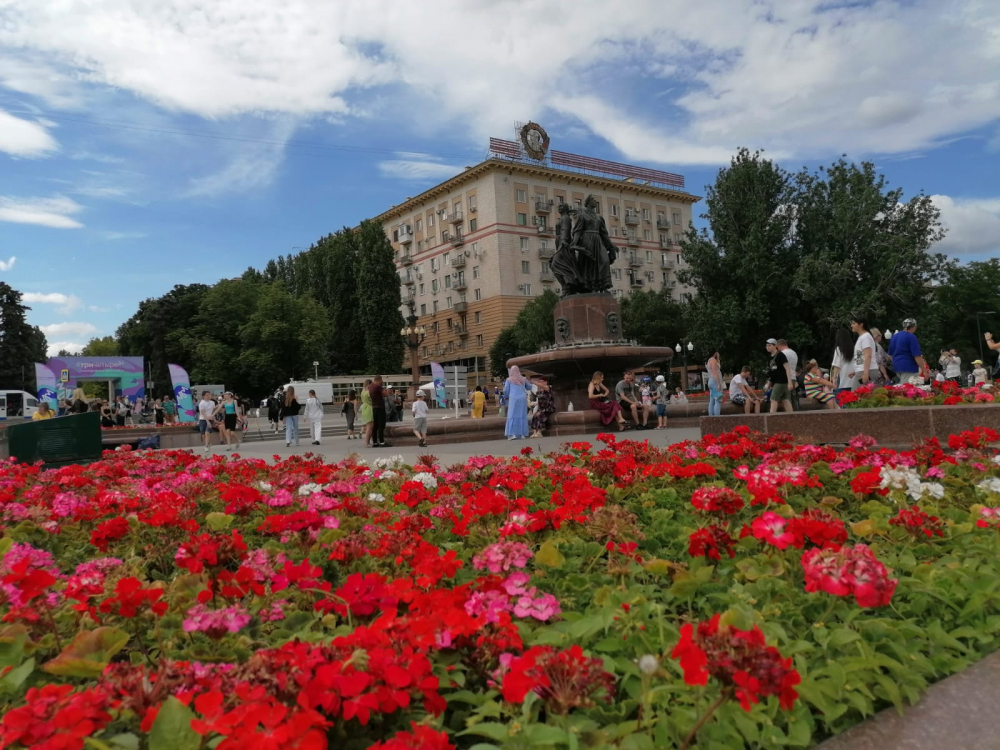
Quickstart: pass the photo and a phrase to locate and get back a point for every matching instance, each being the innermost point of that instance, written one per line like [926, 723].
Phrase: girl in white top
[314, 413]
[842, 367]
[865, 364]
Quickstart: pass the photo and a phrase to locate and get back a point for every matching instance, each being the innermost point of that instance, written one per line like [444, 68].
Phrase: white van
[324, 391]
[17, 405]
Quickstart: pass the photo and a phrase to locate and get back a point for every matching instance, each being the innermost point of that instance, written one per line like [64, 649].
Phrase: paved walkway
[336, 448]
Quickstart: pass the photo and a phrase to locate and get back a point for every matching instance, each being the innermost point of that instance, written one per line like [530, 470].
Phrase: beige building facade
[472, 251]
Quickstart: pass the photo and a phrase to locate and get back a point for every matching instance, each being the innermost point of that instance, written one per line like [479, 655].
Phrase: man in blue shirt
[905, 352]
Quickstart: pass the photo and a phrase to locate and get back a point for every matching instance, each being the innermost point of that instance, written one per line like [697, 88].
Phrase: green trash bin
[73, 439]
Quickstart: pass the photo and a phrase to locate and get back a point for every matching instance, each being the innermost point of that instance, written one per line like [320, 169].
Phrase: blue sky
[145, 145]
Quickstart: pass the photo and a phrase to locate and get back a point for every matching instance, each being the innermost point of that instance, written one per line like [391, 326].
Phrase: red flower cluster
[979, 437]
[563, 679]
[421, 737]
[849, 570]
[717, 500]
[108, 531]
[55, 718]
[129, 598]
[918, 523]
[710, 541]
[739, 659]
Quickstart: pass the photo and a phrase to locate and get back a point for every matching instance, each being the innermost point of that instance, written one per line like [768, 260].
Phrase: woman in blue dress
[516, 394]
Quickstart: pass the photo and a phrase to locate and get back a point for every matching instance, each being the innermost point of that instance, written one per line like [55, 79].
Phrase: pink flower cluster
[215, 623]
[274, 611]
[516, 597]
[36, 559]
[849, 570]
[502, 556]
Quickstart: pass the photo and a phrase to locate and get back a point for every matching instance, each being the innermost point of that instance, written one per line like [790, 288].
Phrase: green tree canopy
[533, 329]
[106, 346]
[21, 344]
[379, 318]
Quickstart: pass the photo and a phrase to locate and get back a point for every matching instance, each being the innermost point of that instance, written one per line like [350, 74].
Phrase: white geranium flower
[990, 485]
[375, 497]
[648, 664]
[428, 480]
[309, 488]
[265, 486]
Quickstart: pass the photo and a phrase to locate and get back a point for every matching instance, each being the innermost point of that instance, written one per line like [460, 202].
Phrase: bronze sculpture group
[584, 251]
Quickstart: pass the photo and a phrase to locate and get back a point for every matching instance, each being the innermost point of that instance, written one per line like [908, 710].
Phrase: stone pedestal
[587, 318]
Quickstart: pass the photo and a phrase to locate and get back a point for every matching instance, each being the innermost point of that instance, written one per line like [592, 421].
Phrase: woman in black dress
[349, 410]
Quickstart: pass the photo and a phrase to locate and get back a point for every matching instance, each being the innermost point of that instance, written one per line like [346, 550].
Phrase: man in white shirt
[741, 394]
[793, 363]
[952, 364]
[419, 408]
[206, 415]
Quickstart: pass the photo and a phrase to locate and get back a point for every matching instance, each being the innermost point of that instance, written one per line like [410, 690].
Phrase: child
[419, 407]
[662, 397]
[818, 387]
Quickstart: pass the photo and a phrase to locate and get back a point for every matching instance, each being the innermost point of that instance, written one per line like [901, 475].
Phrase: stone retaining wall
[901, 426]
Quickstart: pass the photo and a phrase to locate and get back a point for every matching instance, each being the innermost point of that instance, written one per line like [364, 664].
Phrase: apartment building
[472, 251]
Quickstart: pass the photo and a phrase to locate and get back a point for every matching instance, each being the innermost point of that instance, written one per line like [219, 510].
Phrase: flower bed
[937, 394]
[738, 591]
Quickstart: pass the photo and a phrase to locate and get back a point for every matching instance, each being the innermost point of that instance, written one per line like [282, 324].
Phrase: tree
[21, 344]
[347, 341]
[533, 329]
[653, 319]
[102, 347]
[378, 299]
[954, 318]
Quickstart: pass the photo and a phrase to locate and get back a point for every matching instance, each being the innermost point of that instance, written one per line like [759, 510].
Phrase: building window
[421, 290]
[450, 324]
[479, 340]
[525, 266]
[677, 217]
[434, 286]
[444, 259]
[420, 224]
[560, 199]
[579, 203]
[663, 237]
[447, 302]
[650, 276]
[677, 239]
[475, 248]
[646, 234]
[479, 317]
[522, 196]
[678, 258]
[447, 281]
[545, 267]
[522, 220]
[659, 217]
[423, 309]
[542, 221]
[617, 273]
[527, 290]
[613, 231]
[434, 267]
[479, 294]
[435, 307]
[524, 244]
[457, 208]
[646, 214]
[613, 208]
[473, 225]
[475, 272]
[597, 208]
[649, 256]
[430, 220]
[472, 203]
[545, 245]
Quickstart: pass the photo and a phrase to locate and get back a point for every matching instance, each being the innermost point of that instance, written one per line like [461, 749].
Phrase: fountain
[587, 320]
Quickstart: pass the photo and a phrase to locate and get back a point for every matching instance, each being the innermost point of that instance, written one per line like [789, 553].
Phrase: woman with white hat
[662, 398]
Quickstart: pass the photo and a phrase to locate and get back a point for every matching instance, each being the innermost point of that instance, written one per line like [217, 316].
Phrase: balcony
[408, 281]
[458, 262]
[546, 253]
[461, 307]
[406, 260]
[635, 282]
[546, 231]
[459, 284]
[547, 277]
[458, 240]
[631, 218]
[462, 331]
[633, 240]
[634, 260]
[405, 235]
[455, 217]
[663, 223]
[665, 244]
[543, 205]
[666, 263]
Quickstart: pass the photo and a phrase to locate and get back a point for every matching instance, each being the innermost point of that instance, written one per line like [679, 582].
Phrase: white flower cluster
[388, 462]
[387, 474]
[265, 486]
[990, 485]
[907, 479]
[428, 480]
[375, 497]
[309, 488]
[996, 458]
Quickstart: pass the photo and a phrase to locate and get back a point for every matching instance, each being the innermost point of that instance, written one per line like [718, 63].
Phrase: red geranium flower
[710, 541]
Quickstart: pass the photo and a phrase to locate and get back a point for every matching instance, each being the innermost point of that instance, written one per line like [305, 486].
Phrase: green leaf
[638, 742]
[96, 743]
[172, 728]
[88, 654]
[13, 680]
[218, 521]
[487, 729]
[549, 555]
[543, 734]
[843, 636]
[126, 741]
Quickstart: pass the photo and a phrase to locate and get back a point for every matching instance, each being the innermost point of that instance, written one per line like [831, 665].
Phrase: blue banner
[45, 382]
[440, 391]
[182, 393]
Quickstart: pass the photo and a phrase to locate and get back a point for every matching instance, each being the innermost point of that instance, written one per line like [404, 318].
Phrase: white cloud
[73, 347]
[47, 212]
[98, 308]
[657, 80]
[74, 328]
[250, 166]
[66, 302]
[417, 169]
[973, 225]
[24, 138]
[111, 235]
[6, 265]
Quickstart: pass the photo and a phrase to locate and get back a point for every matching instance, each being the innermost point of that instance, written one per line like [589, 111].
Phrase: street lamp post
[413, 336]
[979, 330]
[315, 370]
[685, 350]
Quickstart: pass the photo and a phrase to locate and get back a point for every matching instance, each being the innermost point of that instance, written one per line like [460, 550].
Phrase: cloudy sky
[147, 143]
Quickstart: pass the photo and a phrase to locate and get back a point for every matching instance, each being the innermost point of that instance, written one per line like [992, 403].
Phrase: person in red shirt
[377, 394]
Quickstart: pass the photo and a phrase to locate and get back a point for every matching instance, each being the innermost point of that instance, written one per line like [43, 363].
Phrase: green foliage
[21, 345]
[378, 285]
[951, 319]
[106, 346]
[533, 329]
[653, 319]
